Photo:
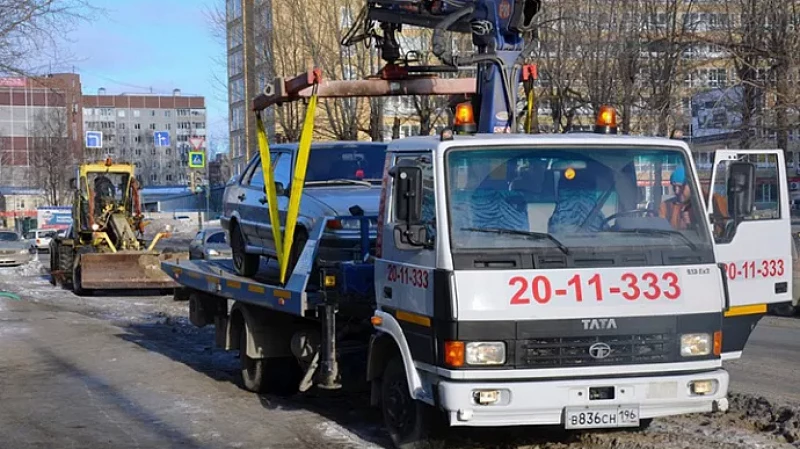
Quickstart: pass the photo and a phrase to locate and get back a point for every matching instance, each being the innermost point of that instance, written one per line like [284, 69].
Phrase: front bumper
[544, 402]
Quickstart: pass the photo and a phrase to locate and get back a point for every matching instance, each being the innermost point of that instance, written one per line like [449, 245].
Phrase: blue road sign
[197, 159]
[161, 138]
[94, 139]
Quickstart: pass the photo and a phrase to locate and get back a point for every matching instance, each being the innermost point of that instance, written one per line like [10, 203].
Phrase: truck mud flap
[134, 270]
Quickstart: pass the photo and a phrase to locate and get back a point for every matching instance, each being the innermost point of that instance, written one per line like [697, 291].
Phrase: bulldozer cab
[102, 188]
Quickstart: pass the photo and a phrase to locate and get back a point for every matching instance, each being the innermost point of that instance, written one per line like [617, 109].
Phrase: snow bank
[32, 268]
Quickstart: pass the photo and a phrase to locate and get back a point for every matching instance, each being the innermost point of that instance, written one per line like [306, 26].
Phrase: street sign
[94, 139]
[197, 142]
[161, 138]
[197, 159]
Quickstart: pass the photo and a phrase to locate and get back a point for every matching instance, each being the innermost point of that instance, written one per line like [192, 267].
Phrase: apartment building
[132, 125]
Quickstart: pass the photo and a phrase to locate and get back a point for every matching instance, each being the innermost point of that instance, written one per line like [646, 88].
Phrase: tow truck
[500, 293]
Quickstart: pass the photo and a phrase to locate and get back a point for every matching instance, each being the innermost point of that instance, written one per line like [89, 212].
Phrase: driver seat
[576, 199]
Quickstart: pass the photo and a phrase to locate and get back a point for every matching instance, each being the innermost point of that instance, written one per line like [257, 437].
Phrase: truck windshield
[587, 197]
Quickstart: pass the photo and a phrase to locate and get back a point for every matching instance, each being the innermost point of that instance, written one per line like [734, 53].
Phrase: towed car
[14, 250]
[340, 175]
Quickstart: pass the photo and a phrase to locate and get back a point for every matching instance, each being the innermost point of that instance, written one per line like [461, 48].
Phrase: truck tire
[54, 259]
[276, 375]
[77, 286]
[410, 423]
[64, 263]
[244, 264]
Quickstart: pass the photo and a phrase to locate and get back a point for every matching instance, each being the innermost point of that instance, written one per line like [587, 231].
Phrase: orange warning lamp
[606, 121]
[109, 162]
[465, 118]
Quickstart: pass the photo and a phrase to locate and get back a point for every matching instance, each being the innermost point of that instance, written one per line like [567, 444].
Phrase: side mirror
[408, 194]
[741, 188]
[73, 183]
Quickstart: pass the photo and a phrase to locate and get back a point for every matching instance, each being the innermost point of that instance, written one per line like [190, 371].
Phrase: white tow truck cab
[571, 280]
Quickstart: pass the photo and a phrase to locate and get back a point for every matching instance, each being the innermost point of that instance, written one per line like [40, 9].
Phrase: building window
[152, 113]
[138, 151]
[154, 178]
[137, 139]
[169, 178]
[137, 126]
[167, 113]
[137, 164]
[168, 151]
[183, 112]
[153, 151]
[169, 126]
[199, 125]
[121, 113]
[152, 126]
[136, 113]
[121, 125]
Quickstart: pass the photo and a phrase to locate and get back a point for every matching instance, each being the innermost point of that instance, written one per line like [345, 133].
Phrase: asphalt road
[770, 364]
[130, 372]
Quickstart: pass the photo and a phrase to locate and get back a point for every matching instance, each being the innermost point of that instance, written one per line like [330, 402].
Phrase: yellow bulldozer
[105, 248]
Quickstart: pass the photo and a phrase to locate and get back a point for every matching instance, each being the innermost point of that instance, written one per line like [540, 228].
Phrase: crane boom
[498, 28]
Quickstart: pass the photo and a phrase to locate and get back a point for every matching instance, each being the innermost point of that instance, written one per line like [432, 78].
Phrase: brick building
[25, 105]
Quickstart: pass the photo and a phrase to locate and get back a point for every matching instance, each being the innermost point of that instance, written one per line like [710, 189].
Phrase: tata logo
[599, 323]
[599, 350]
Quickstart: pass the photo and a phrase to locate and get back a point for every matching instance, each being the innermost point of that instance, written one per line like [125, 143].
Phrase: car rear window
[347, 162]
[217, 237]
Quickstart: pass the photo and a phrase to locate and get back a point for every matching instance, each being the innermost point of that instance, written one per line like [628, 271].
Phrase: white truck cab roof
[418, 143]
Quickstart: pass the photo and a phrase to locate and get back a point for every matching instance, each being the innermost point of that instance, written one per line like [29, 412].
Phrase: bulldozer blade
[127, 270]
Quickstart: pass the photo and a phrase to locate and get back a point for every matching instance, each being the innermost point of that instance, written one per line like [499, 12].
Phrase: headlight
[695, 344]
[95, 227]
[485, 353]
[212, 252]
[25, 251]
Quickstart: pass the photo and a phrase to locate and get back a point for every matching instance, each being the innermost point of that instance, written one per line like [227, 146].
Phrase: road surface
[130, 372]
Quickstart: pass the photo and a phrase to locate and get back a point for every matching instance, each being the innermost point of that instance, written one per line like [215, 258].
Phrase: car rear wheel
[244, 264]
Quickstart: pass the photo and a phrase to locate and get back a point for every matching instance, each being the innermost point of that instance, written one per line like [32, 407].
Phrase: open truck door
[748, 207]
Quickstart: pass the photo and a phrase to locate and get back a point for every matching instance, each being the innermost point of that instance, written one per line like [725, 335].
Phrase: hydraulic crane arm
[497, 28]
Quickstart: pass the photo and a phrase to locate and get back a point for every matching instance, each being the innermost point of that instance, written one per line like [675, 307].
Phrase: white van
[40, 238]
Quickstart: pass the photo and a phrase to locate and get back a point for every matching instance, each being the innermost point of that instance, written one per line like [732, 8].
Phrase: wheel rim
[399, 416]
[238, 252]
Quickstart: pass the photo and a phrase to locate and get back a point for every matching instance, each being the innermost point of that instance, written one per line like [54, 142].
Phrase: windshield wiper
[650, 231]
[340, 181]
[536, 235]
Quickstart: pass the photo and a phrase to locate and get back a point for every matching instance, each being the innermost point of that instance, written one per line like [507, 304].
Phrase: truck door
[748, 207]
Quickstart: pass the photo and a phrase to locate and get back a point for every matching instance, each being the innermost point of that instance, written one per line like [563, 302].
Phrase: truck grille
[574, 351]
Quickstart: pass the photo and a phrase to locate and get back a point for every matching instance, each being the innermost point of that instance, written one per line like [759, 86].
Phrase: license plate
[601, 417]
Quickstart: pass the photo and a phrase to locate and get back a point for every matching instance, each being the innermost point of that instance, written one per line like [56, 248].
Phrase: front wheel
[244, 264]
[410, 423]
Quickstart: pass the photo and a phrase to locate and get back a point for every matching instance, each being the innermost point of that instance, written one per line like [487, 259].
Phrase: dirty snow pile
[782, 421]
[32, 268]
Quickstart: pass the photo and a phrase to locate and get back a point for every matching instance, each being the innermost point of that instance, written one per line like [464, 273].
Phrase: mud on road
[159, 326]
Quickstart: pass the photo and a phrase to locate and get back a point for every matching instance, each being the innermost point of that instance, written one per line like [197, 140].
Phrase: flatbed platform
[218, 277]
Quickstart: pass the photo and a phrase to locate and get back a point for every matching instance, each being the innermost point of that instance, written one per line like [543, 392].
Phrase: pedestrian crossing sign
[197, 159]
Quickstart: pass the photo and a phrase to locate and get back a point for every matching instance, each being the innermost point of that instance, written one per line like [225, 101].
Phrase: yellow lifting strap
[266, 170]
[529, 112]
[299, 179]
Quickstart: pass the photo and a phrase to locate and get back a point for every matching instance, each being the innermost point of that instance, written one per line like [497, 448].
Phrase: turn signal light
[717, 342]
[454, 353]
[606, 122]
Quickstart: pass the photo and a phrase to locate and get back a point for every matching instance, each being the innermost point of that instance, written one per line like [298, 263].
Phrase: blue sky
[136, 46]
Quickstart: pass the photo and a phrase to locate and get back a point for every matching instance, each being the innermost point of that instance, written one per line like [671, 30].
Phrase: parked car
[14, 250]
[339, 175]
[40, 238]
[210, 243]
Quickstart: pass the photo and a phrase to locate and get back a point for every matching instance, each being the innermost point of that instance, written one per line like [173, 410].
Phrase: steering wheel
[632, 212]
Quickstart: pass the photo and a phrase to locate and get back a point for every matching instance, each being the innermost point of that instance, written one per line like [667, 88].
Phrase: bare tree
[53, 159]
[30, 29]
